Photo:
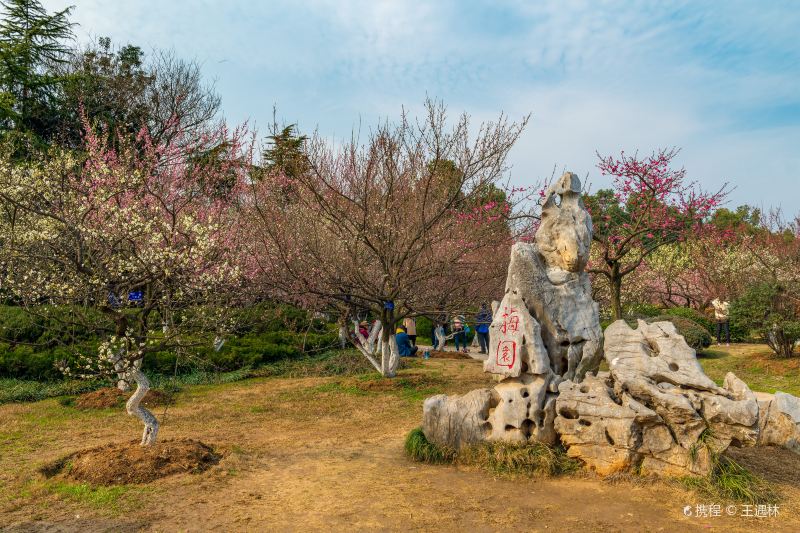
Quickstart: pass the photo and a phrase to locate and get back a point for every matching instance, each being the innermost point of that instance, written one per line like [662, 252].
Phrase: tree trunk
[135, 409]
[440, 340]
[390, 357]
[616, 293]
[366, 345]
[390, 353]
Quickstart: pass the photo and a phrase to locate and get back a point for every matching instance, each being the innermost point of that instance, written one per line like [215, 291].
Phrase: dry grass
[497, 457]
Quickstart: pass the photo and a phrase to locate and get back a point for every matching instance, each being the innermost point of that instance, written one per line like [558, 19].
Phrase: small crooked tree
[652, 205]
[408, 223]
[135, 244]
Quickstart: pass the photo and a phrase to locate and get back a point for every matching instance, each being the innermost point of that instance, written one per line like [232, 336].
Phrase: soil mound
[112, 397]
[127, 463]
[437, 354]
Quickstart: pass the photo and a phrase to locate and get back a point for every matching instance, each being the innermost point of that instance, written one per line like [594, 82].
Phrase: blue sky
[720, 80]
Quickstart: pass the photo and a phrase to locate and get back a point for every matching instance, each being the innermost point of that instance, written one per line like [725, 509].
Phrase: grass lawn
[755, 364]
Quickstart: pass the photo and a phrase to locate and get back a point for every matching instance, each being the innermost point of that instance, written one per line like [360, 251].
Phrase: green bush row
[249, 351]
[41, 364]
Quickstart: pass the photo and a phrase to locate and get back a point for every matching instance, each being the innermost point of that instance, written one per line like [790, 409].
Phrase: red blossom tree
[652, 205]
[411, 222]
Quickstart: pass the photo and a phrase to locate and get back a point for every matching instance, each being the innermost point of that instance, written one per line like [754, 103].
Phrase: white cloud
[711, 78]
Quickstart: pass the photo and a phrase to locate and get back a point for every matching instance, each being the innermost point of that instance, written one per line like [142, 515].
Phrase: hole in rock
[568, 413]
[538, 417]
[654, 351]
[524, 367]
[584, 389]
[509, 427]
[584, 422]
[564, 343]
[525, 393]
[673, 367]
[527, 428]
[609, 439]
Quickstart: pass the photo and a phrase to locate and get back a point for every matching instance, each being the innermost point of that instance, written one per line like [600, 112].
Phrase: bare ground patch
[130, 463]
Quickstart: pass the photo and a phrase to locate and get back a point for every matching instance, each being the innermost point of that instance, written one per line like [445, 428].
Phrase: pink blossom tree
[651, 206]
[139, 243]
[410, 222]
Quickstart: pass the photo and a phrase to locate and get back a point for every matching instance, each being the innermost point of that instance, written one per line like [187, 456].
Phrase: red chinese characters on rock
[506, 353]
[510, 320]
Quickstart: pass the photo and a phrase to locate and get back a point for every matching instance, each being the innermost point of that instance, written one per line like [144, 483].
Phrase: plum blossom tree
[651, 206]
[138, 243]
[409, 222]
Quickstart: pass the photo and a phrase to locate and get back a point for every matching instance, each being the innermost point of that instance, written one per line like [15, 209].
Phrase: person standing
[459, 333]
[721, 314]
[483, 319]
[410, 323]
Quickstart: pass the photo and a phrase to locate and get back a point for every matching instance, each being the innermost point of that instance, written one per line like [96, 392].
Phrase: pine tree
[32, 42]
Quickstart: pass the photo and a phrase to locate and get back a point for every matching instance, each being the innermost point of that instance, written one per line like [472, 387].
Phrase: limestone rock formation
[516, 345]
[779, 423]
[545, 330]
[654, 411]
[458, 421]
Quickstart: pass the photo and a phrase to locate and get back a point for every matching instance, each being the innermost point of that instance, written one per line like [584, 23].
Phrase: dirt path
[326, 454]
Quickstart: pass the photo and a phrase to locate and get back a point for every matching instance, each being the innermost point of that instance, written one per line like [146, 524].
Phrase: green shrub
[769, 310]
[17, 325]
[696, 335]
[268, 317]
[644, 310]
[692, 314]
[33, 345]
[632, 321]
[27, 362]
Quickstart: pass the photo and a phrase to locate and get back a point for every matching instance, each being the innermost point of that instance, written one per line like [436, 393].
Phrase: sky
[718, 79]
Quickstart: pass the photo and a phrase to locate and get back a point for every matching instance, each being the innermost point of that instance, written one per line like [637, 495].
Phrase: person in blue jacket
[404, 345]
[482, 322]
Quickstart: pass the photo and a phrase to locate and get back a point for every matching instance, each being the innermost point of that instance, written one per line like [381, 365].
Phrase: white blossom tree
[138, 243]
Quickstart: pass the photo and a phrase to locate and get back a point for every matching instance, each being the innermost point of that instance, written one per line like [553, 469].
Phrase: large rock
[544, 331]
[656, 411]
[561, 302]
[599, 428]
[525, 410]
[779, 422]
[516, 344]
[549, 277]
[458, 421]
